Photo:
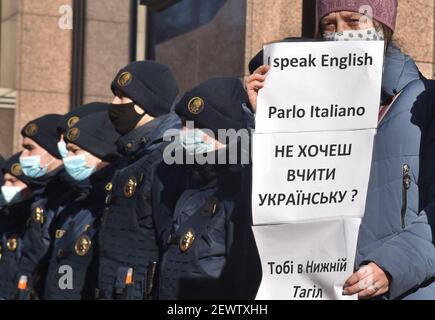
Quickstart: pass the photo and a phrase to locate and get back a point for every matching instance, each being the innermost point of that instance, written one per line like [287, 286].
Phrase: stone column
[43, 62]
[415, 33]
[270, 20]
[106, 46]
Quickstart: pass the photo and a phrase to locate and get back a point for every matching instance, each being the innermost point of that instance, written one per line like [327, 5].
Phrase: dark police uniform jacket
[127, 237]
[72, 271]
[13, 220]
[38, 237]
[208, 249]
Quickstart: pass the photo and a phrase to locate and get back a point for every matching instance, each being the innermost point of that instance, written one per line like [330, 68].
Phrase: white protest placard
[310, 176]
[321, 86]
[307, 261]
[312, 151]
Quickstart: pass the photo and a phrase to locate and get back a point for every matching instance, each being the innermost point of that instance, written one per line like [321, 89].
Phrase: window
[8, 31]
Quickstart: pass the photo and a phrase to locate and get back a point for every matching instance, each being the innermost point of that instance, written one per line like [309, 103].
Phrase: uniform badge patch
[73, 134]
[31, 129]
[16, 170]
[72, 121]
[196, 105]
[125, 79]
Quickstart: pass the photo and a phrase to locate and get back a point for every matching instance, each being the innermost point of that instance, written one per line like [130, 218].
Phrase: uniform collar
[43, 182]
[17, 209]
[143, 137]
[58, 182]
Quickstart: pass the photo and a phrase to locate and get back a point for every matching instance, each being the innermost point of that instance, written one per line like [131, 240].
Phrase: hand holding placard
[316, 122]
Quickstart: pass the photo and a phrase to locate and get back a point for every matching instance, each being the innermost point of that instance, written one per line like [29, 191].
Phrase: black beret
[13, 167]
[71, 118]
[44, 132]
[215, 104]
[258, 60]
[95, 134]
[151, 85]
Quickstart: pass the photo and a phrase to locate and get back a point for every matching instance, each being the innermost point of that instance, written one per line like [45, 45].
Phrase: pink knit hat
[384, 11]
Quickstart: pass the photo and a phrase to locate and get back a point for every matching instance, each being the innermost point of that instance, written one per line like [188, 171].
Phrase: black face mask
[124, 117]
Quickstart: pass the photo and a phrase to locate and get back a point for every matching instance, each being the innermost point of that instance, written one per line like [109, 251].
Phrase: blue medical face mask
[193, 142]
[61, 147]
[11, 194]
[77, 168]
[32, 168]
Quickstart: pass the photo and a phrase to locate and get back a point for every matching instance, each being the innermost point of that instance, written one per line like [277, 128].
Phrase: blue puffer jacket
[395, 232]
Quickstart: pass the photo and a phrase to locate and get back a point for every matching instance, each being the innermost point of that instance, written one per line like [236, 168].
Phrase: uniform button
[60, 253]
[129, 145]
[187, 240]
[12, 243]
[130, 188]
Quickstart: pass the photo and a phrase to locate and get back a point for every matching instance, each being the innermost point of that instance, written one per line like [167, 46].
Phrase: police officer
[141, 112]
[17, 194]
[207, 243]
[92, 159]
[42, 162]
